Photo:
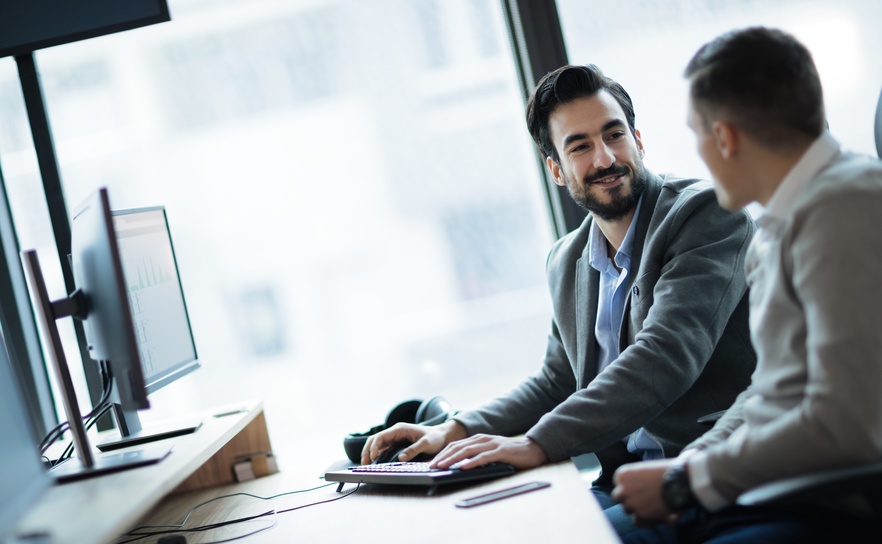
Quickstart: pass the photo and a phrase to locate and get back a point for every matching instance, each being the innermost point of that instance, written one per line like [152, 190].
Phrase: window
[645, 45]
[352, 192]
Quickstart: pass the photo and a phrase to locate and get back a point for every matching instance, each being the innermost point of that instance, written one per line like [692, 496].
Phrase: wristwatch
[676, 491]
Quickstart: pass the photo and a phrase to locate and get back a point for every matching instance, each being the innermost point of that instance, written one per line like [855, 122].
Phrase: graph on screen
[155, 294]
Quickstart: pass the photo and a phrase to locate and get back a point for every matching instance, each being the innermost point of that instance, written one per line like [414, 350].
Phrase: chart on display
[159, 311]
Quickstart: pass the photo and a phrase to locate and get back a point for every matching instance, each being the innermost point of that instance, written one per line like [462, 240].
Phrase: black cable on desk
[59, 429]
[176, 529]
[90, 419]
[208, 527]
[93, 419]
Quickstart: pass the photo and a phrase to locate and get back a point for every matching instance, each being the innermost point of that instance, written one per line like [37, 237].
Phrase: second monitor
[159, 312]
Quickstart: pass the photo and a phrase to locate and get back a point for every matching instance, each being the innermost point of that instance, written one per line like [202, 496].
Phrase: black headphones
[425, 412]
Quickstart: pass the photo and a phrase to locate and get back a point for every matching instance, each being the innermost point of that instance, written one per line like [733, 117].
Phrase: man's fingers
[413, 450]
[616, 494]
[376, 444]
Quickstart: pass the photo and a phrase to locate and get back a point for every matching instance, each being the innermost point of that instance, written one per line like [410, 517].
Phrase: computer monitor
[101, 301]
[26, 26]
[107, 321]
[163, 336]
[22, 478]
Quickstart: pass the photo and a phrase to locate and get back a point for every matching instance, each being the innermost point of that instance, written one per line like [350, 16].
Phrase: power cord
[90, 422]
[179, 528]
[90, 418]
[56, 433]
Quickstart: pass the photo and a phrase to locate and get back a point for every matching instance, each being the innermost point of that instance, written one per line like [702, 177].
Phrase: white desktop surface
[103, 509]
[564, 512]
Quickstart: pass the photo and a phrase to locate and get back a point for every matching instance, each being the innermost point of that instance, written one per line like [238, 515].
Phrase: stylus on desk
[501, 494]
[230, 412]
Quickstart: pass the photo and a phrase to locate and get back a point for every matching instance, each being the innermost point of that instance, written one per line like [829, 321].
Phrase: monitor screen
[136, 318]
[22, 477]
[163, 336]
[156, 297]
[28, 25]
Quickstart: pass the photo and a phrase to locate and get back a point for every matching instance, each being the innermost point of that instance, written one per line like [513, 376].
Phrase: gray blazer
[685, 345]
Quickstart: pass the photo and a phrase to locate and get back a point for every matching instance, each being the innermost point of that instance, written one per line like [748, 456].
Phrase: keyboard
[399, 466]
[416, 473]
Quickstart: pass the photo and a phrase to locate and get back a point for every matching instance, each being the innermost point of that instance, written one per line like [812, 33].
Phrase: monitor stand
[86, 464]
[73, 469]
[132, 433]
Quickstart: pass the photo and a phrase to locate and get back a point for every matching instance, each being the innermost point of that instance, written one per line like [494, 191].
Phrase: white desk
[101, 509]
[564, 512]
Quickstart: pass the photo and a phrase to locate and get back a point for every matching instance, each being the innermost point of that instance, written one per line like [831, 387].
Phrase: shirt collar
[597, 244]
[816, 157]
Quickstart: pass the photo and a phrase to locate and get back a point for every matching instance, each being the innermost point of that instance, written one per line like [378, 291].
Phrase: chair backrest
[879, 126]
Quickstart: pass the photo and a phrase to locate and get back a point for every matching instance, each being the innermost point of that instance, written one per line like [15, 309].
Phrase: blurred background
[357, 209]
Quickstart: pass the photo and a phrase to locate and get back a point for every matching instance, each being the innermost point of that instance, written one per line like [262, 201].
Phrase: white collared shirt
[774, 217]
[611, 297]
[815, 157]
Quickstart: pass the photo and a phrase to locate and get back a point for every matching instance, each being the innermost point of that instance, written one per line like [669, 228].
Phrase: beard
[620, 203]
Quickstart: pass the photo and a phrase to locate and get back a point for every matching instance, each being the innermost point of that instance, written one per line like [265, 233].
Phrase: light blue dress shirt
[611, 297]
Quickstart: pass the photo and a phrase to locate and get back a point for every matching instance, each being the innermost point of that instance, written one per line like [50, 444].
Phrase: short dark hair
[562, 86]
[762, 80]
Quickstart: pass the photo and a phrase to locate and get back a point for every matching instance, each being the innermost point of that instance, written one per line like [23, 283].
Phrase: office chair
[878, 131]
[864, 479]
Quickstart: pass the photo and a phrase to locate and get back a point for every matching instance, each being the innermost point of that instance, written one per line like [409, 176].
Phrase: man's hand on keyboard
[423, 439]
[520, 452]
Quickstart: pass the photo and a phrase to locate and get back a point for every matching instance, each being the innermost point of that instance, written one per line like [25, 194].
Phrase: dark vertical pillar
[538, 47]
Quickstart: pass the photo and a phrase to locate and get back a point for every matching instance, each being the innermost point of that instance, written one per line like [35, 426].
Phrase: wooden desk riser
[101, 509]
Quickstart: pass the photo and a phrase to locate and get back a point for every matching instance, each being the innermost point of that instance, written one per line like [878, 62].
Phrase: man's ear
[726, 137]
[556, 172]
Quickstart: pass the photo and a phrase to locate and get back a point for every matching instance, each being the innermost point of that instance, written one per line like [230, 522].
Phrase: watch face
[676, 491]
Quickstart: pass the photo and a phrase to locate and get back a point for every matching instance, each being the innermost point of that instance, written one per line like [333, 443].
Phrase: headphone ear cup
[353, 443]
[430, 412]
[405, 412]
[434, 411]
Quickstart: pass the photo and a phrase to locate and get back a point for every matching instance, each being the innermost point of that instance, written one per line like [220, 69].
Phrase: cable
[179, 528]
[357, 486]
[106, 385]
[246, 535]
[244, 494]
[202, 528]
[90, 419]
[68, 451]
[59, 432]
